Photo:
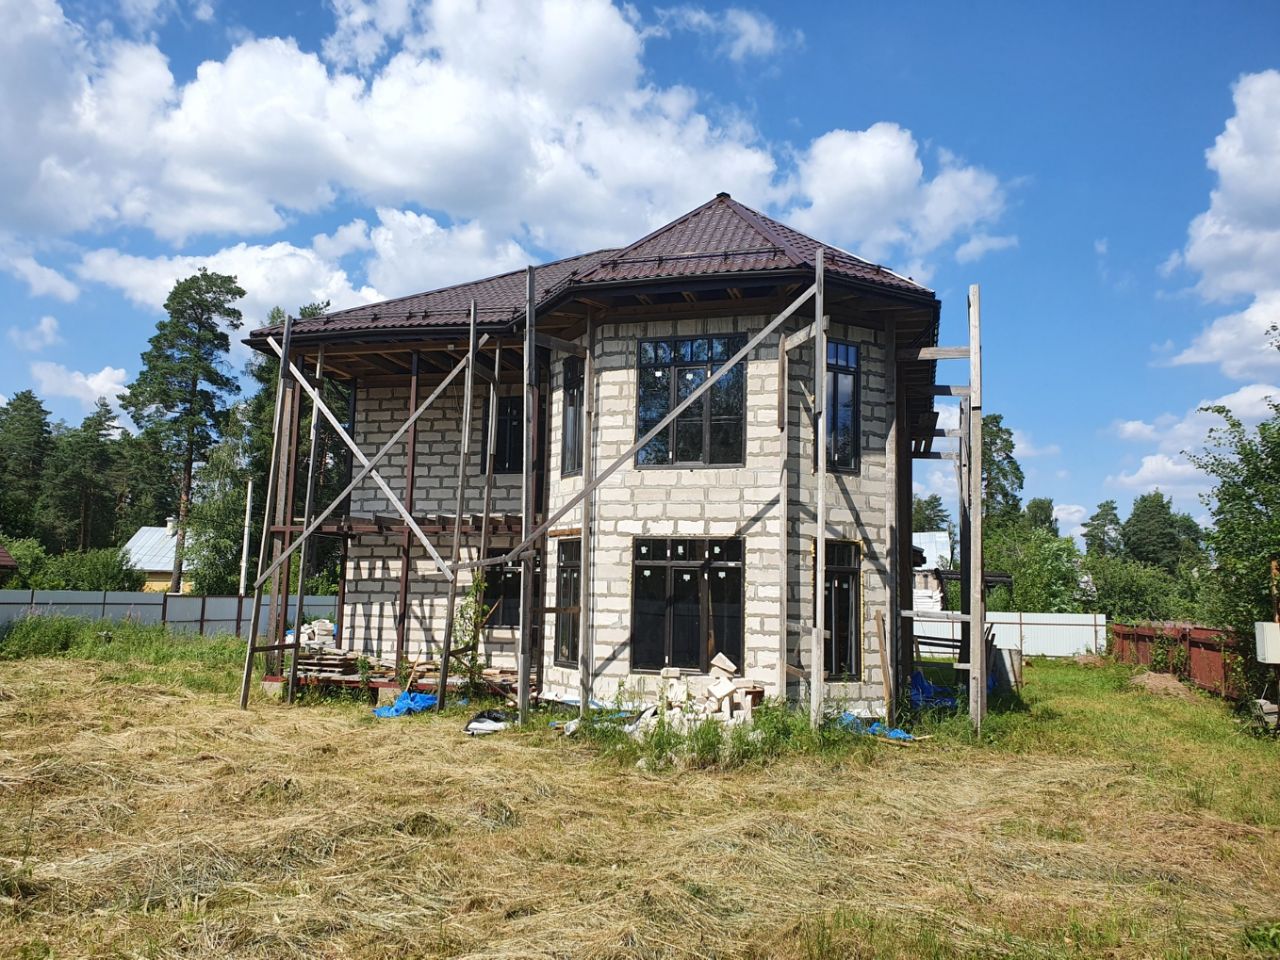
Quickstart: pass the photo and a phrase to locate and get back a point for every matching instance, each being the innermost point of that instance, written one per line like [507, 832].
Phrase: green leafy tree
[1039, 515]
[1045, 569]
[1129, 591]
[1002, 476]
[179, 394]
[76, 509]
[1103, 535]
[1245, 505]
[217, 512]
[25, 440]
[929, 513]
[1155, 535]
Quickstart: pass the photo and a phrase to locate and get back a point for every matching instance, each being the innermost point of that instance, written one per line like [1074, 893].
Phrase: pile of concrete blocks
[728, 698]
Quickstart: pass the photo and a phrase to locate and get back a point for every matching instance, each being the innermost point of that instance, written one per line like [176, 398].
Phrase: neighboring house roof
[720, 238]
[151, 550]
[6, 560]
[936, 547]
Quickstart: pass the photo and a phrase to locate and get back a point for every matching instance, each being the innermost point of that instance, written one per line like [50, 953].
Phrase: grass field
[142, 815]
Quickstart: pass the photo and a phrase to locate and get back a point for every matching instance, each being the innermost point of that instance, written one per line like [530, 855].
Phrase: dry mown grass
[137, 820]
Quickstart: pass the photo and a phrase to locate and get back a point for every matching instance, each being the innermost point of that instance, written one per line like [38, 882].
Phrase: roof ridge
[755, 219]
[621, 251]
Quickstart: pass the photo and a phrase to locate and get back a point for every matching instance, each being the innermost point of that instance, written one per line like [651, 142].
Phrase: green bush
[106, 569]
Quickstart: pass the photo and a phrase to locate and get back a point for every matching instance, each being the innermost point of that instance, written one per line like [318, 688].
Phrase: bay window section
[687, 603]
[712, 429]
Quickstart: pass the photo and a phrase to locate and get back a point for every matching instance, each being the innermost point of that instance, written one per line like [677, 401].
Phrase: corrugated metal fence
[1035, 634]
[1198, 654]
[204, 615]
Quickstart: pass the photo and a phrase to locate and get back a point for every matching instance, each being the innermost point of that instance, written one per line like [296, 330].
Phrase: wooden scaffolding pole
[527, 604]
[893, 555]
[817, 669]
[784, 520]
[977, 600]
[285, 494]
[340, 618]
[411, 457]
[464, 453]
[307, 501]
[586, 656]
[255, 615]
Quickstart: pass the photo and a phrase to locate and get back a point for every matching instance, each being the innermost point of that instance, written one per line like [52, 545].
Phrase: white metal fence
[204, 615]
[1034, 634]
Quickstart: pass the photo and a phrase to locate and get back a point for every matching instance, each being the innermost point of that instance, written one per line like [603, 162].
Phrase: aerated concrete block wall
[711, 502]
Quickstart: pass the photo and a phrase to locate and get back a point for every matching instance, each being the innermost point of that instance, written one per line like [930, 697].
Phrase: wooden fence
[1197, 654]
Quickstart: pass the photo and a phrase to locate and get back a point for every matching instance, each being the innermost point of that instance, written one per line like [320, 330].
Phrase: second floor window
[711, 430]
[508, 447]
[843, 436]
[571, 419]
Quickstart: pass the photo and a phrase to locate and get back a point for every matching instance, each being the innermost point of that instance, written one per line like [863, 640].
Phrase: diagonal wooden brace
[367, 465]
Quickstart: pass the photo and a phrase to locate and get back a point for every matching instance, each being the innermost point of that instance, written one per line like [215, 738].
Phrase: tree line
[1155, 564]
[71, 496]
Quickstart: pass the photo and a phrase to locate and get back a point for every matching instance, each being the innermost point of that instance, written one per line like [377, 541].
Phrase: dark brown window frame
[837, 369]
[838, 569]
[709, 365]
[698, 557]
[571, 397]
[568, 608]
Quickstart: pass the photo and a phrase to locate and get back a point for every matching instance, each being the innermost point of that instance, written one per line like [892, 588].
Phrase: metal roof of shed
[151, 550]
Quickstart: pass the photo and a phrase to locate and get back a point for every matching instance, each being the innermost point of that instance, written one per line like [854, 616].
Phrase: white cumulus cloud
[55, 380]
[43, 333]
[739, 34]
[1234, 246]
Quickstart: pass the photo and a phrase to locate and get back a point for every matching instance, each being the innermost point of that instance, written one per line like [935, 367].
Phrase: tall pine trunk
[184, 503]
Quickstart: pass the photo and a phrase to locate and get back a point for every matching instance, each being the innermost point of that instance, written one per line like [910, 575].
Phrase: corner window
[508, 448]
[687, 603]
[843, 648]
[571, 419]
[568, 600]
[711, 430]
[843, 401]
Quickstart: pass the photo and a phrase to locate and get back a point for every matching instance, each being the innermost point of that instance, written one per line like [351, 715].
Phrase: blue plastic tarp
[407, 702]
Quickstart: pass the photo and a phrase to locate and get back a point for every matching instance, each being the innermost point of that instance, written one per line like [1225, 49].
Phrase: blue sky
[1110, 174]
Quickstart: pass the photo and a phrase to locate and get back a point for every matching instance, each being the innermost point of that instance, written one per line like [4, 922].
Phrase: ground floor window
[686, 603]
[502, 592]
[568, 600]
[843, 648]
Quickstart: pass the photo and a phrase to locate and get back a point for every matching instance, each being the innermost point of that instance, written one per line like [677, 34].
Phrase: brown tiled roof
[721, 237]
[6, 561]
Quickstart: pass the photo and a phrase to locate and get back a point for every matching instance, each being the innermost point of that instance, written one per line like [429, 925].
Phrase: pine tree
[1002, 476]
[929, 513]
[25, 440]
[178, 395]
[1154, 534]
[1102, 531]
[76, 509]
[1039, 515]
